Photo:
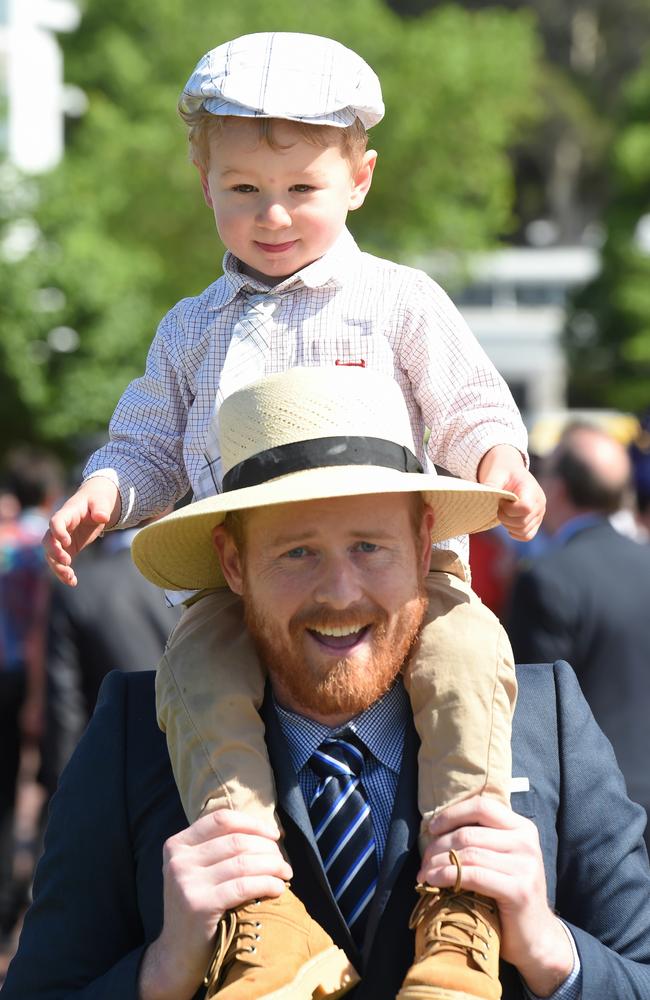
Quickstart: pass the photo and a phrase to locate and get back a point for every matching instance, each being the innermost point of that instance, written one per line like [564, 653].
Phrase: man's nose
[338, 584]
[273, 214]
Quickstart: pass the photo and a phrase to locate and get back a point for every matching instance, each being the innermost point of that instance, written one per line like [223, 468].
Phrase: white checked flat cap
[276, 74]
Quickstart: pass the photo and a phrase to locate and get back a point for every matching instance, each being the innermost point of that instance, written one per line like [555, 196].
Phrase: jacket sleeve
[603, 890]
[82, 936]
[541, 620]
[66, 712]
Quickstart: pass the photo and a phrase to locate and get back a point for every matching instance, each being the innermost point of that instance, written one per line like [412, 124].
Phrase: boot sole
[433, 993]
[329, 974]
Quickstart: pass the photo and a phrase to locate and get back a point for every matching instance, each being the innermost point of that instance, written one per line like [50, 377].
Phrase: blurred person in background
[493, 564]
[114, 620]
[640, 456]
[9, 512]
[32, 486]
[586, 599]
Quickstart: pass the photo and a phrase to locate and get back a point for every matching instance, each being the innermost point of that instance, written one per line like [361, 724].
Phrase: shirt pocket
[357, 345]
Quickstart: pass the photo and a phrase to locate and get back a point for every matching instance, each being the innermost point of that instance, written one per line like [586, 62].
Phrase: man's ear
[426, 527]
[362, 179]
[230, 558]
[205, 186]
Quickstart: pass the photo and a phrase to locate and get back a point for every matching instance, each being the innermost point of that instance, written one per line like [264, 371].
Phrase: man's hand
[81, 519]
[503, 466]
[220, 862]
[501, 857]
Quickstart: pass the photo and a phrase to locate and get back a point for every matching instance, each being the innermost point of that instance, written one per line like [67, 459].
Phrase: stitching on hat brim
[220, 107]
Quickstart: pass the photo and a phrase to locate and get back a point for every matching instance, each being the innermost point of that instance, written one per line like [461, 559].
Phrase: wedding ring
[455, 860]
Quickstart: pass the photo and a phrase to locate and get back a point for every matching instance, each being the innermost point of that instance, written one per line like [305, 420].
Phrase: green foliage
[123, 228]
[608, 334]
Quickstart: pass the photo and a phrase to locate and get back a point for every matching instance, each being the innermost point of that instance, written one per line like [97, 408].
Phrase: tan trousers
[460, 679]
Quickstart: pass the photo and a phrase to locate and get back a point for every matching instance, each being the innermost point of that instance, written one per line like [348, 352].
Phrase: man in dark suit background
[113, 620]
[587, 599]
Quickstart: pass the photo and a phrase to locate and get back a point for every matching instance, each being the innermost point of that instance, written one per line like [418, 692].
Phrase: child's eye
[302, 188]
[243, 188]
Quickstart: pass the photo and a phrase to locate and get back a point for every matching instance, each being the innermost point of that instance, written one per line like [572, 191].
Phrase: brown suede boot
[272, 949]
[457, 937]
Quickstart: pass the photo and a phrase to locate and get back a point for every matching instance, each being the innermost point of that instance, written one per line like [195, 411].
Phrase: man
[586, 599]
[332, 566]
[113, 620]
[640, 457]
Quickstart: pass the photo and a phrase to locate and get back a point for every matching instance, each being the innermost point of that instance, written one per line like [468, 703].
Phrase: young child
[277, 129]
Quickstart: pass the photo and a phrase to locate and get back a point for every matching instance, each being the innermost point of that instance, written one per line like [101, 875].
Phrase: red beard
[344, 686]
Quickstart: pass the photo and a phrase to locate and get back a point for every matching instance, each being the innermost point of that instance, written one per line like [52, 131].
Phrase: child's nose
[274, 215]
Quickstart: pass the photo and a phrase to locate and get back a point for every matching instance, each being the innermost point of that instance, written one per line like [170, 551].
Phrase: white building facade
[514, 301]
[33, 96]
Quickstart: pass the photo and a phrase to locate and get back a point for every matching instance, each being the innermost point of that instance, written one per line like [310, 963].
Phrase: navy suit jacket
[98, 889]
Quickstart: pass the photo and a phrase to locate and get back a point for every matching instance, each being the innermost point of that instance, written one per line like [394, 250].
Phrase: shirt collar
[329, 270]
[381, 729]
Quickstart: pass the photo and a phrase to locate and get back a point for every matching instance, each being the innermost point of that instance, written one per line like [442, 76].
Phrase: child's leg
[209, 688]
[462, 685]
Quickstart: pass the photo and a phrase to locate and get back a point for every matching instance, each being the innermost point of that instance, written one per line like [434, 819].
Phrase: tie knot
[341, 757]
[262, 304]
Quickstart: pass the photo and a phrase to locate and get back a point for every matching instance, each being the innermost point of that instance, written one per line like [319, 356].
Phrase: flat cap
[288, 75]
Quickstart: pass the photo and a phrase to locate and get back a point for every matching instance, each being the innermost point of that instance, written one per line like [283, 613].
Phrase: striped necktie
[340, 817]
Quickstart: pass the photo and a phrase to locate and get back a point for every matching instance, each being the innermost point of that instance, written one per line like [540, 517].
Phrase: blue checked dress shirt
[381, 729]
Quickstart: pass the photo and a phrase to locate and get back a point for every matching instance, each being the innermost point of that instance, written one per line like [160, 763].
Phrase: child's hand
[79, 522]
[503, 466]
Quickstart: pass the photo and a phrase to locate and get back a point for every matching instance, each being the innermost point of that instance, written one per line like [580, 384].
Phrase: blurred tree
[608, 333]
[122, 229]
[17, 235]
[592, 47]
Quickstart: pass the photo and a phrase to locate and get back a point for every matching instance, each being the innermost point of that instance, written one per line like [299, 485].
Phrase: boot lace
[447, 913]
[236, 937]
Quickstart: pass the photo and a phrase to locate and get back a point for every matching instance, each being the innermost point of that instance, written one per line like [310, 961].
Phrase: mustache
[319, 617]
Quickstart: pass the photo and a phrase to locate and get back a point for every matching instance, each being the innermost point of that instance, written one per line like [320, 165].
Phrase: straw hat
[307, 434]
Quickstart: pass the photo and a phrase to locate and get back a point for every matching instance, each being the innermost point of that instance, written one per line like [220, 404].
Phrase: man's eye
[298, 553]
[243, 188]
[367, 547]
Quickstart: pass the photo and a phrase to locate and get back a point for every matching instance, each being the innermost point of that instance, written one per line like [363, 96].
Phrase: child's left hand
[503, 466]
